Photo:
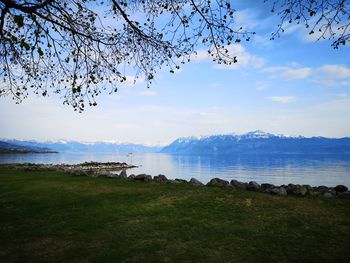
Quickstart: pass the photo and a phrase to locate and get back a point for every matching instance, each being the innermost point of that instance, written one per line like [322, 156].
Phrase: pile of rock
[88, 168]
[340, 191]
[109, 170]
[291, 189]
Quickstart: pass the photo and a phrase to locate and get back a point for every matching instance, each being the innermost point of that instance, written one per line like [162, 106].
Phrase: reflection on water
[275, 169]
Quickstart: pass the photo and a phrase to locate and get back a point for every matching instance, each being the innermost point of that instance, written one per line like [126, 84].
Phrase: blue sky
[293, 85]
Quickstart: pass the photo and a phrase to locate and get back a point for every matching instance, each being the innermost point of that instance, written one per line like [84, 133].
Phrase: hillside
[6, 147]
[258, 142]
[75, 146]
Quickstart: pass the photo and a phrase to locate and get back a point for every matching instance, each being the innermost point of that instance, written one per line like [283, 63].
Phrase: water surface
[276, 169]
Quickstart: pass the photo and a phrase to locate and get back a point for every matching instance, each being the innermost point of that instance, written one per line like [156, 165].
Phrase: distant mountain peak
[258, 134]
[258, 142]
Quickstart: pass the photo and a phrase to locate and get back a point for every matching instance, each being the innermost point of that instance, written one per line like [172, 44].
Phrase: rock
[296, 189]
[267, 187]
[322, 189]
[344, 194]
[253, 186]
[278, 191]
[123, 174]
[238, 185]
[327, 195]
[194, 181]
[174, 182]
[218, 182]
[103, 173]
[143, 177]
[160, 178]
[181, 181]
[131, 177]
[341, 188]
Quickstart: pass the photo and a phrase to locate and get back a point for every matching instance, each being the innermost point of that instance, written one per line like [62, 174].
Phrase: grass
[52, 216]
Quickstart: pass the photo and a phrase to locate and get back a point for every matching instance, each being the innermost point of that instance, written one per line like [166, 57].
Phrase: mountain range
[258, 142]
[6, 147]
[75, 146]
[255, 142]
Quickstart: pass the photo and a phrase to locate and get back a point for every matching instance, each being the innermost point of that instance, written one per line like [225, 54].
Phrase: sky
[293, 85]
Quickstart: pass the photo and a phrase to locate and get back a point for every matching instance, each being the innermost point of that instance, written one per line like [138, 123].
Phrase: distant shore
[25, 151]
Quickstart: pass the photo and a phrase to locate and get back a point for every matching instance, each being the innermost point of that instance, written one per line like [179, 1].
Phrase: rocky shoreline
[111, 169]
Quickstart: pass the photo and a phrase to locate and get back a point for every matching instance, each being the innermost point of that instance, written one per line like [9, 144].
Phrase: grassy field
[56, 217]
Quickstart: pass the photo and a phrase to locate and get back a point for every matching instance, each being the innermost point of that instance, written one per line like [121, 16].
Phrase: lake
[276, 169]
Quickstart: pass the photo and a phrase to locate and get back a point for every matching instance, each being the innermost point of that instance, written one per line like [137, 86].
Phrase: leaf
[19, 20]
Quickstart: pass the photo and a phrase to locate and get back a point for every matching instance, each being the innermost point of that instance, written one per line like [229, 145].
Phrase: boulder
[267, 187]
[253, 186]
[218, 182]
[160, 178]
[104, 173]
[344, 194]
[296, 189]
[278, 191]
[181, 181]
[194, 181]
[340, 188]
[123, 174]
[238, 185]
[327, 195]
[322, 189]
[143, 177]
[131, 177]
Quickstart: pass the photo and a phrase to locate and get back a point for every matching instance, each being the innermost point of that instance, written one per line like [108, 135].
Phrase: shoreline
[111, 169]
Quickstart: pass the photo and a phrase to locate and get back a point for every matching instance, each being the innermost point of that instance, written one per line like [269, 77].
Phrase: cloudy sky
[293, 85]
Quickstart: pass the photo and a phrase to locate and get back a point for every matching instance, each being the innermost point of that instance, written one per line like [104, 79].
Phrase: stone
[296, 189]
[181, 181]
[267, 187]
[340, 188]
[123, 174]
[160, 178]
[344, 195]
[253, 186]
[194, 181]
[327, 195]
[104, 173]
[238, 185]
[143, 177]
[218, 182]
[131, 177]
[278, 191]
[322, 189]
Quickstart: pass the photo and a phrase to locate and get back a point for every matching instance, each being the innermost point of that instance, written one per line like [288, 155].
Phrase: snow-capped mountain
[75, 146]
[258, 142]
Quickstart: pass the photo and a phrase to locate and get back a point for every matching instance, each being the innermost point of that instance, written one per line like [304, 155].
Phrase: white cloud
[289, 73]
[214, 85]
[148, 93]
[259, 85]
[201, 55]
[330, 75]
[245, 59]
[132, 80]
[245, 19]
[282, 99]
[335, 71]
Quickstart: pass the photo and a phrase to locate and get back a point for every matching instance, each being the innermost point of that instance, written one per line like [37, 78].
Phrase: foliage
[78, 48]
[325, 19]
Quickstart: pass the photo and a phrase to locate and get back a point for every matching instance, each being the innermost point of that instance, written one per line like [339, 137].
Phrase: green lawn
[51, 216]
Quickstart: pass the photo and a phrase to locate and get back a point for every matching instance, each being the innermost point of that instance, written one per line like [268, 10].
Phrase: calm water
[313, 170]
